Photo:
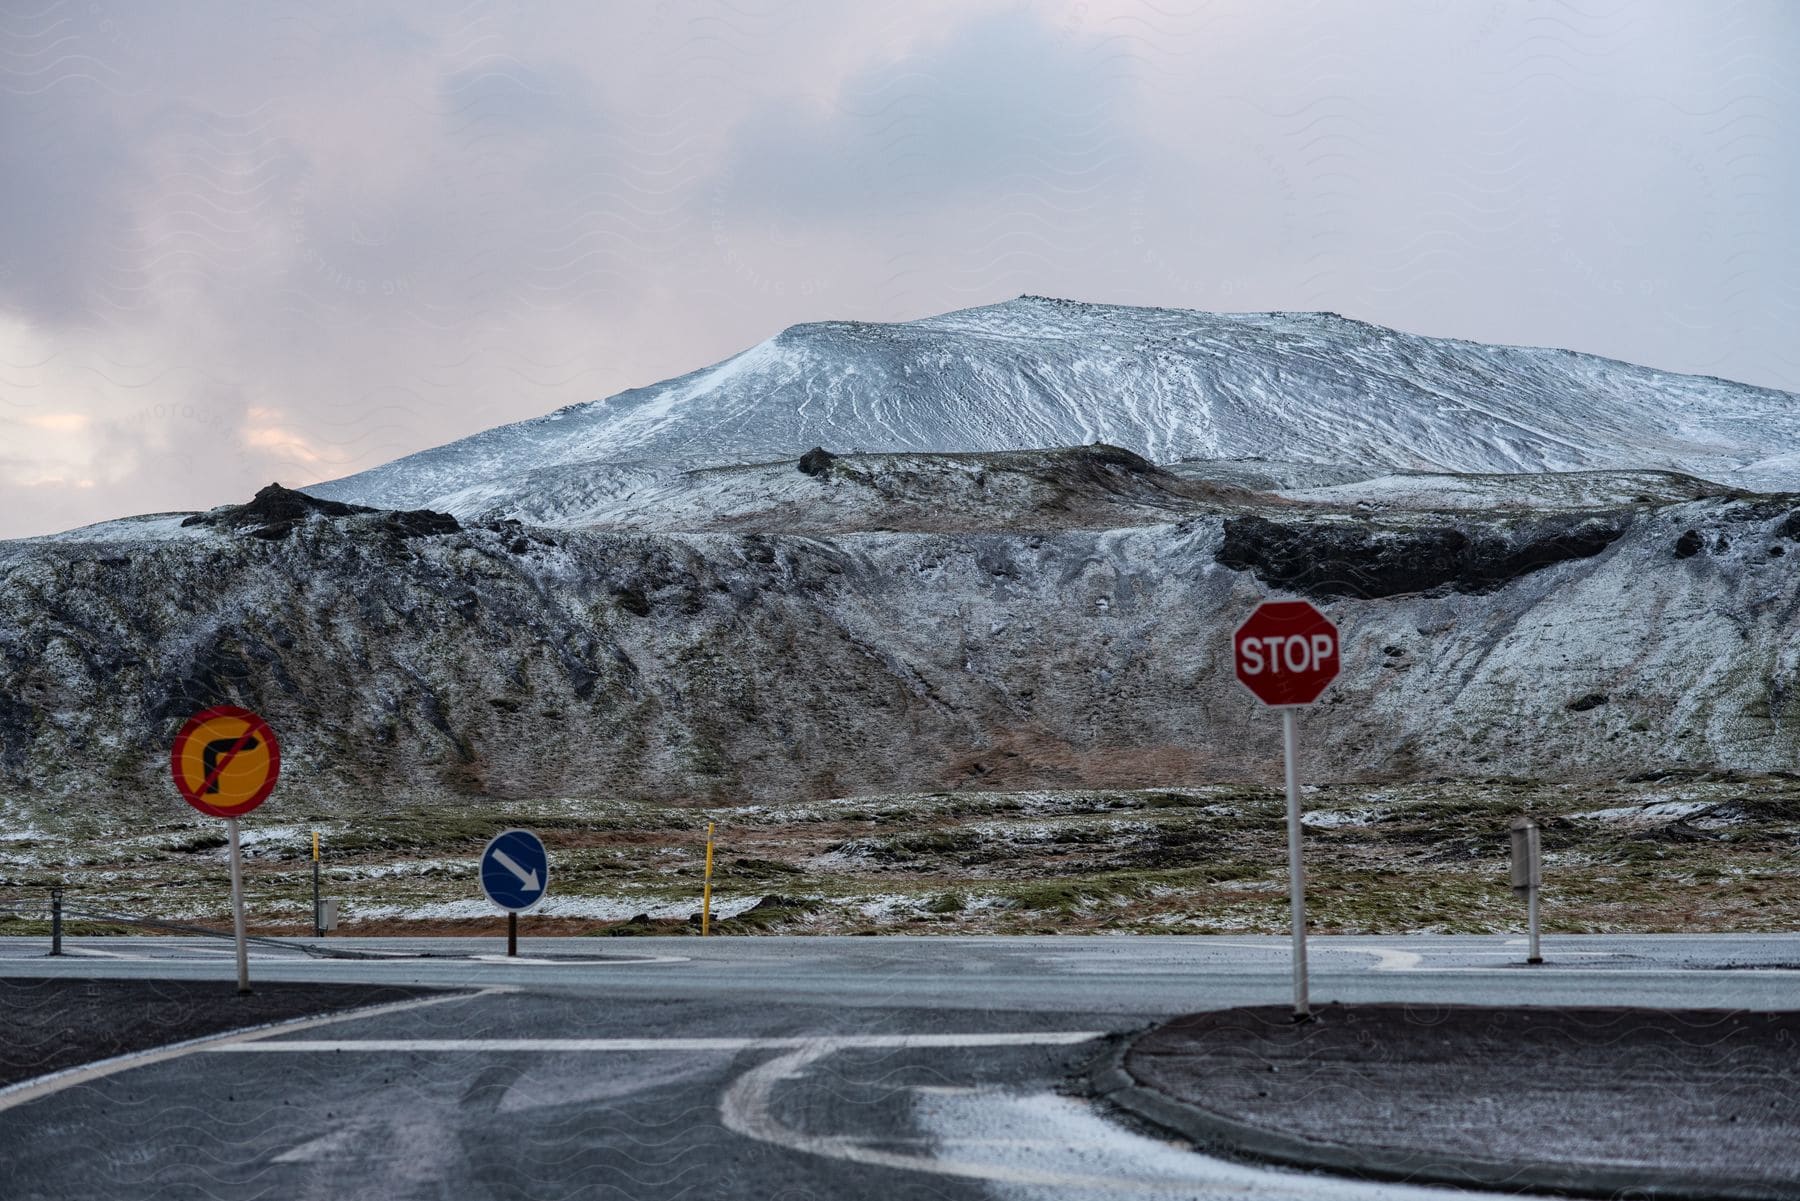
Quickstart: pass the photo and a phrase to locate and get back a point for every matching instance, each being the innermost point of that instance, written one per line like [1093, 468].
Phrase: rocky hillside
[833, 565]
[910, 623]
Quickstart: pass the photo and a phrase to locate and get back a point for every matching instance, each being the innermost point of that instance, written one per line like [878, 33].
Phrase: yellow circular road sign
[225, 761]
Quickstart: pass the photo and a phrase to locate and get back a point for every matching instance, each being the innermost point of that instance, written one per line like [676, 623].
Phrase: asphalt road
[776, 1067]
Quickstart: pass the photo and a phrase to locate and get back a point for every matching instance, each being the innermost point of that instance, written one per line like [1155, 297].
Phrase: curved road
[773, 1067]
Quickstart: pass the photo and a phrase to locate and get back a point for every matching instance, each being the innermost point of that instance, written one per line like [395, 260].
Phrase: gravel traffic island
[53, 1025]
[1591, 1101]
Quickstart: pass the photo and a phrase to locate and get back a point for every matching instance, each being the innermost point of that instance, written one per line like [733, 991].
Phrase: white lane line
[825, 1044]
[41, 1086]
[633, 962]
[103, 954]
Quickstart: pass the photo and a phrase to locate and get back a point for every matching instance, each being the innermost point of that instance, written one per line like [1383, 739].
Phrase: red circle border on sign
[257, 725]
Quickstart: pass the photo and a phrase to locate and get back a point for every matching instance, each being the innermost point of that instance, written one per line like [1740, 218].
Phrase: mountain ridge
[1167, 384]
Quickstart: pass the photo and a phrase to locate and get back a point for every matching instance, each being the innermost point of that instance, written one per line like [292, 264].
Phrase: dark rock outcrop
[274, 512]
[1356, 559]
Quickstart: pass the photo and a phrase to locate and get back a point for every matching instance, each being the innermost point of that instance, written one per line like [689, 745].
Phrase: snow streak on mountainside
[1168, 384]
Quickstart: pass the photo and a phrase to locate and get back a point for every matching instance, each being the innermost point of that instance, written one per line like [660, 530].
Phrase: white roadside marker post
[1528, 877]
[1286, 654]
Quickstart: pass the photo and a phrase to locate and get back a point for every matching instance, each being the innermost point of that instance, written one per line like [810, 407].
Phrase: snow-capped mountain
[658, 595]
[1168, 384]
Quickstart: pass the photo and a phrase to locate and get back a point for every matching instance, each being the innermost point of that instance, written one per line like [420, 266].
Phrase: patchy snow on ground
[403, 867]
[1333, 819]
[884, 907]
[1656, 811]
[596, 908]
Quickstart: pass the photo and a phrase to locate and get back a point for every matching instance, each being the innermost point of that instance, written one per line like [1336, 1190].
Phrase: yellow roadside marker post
[706, 889]
[318, 923]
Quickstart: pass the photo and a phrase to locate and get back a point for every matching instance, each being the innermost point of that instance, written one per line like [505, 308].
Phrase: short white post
[1528, 877]
[1296, 869]
[237, 905]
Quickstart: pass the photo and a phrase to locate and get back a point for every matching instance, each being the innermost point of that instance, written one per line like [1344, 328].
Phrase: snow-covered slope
[1168, 384]
[406, 659]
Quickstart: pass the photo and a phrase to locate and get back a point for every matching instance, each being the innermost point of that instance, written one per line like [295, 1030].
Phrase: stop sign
[1286, 653]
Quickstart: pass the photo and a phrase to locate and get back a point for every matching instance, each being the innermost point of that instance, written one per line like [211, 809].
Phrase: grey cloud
[62, 196]
[1003, 102]
[386, 225]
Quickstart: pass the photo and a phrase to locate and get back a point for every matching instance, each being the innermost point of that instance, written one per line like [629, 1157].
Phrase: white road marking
[42, 1086]
[102, 954]
[1389, 960]
[746, 1109]
[823, 1044]
[632, 962]
[1088, 1156]
[329, 1146]
[1037, 1142]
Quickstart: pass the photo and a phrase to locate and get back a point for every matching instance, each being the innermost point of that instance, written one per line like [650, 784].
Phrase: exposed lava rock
[1582, 704]
[817, 462]
[1332, 559]
[633, 600]
[1106, 455]
[419, 523]
[275, 503]
[273, 513]
[1688, 545]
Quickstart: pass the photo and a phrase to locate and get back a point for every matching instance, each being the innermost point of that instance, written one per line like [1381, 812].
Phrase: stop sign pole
[1286, 654]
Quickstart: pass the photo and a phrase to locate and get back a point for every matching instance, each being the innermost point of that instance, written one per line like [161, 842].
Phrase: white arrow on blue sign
[515, 870]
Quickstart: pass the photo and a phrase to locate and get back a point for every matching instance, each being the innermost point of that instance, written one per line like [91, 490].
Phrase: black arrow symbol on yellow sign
[209, 756]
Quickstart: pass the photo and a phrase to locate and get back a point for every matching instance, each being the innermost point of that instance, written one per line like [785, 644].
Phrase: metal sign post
[1296, 867]
[56, 895]
[1286, 654]
[237, 906]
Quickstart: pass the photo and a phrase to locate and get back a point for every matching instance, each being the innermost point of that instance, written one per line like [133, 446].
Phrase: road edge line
[14, 1095]
[1112, 1083]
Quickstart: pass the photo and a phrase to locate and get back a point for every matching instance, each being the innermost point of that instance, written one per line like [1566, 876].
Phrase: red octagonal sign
[1286, 653]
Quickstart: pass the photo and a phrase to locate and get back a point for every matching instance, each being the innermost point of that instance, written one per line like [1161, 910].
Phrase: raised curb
[1216, 1132]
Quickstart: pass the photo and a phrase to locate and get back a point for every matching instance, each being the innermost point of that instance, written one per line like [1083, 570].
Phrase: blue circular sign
[515, 870]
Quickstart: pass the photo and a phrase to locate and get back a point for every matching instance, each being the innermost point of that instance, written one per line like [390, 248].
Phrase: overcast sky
[249, 242]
